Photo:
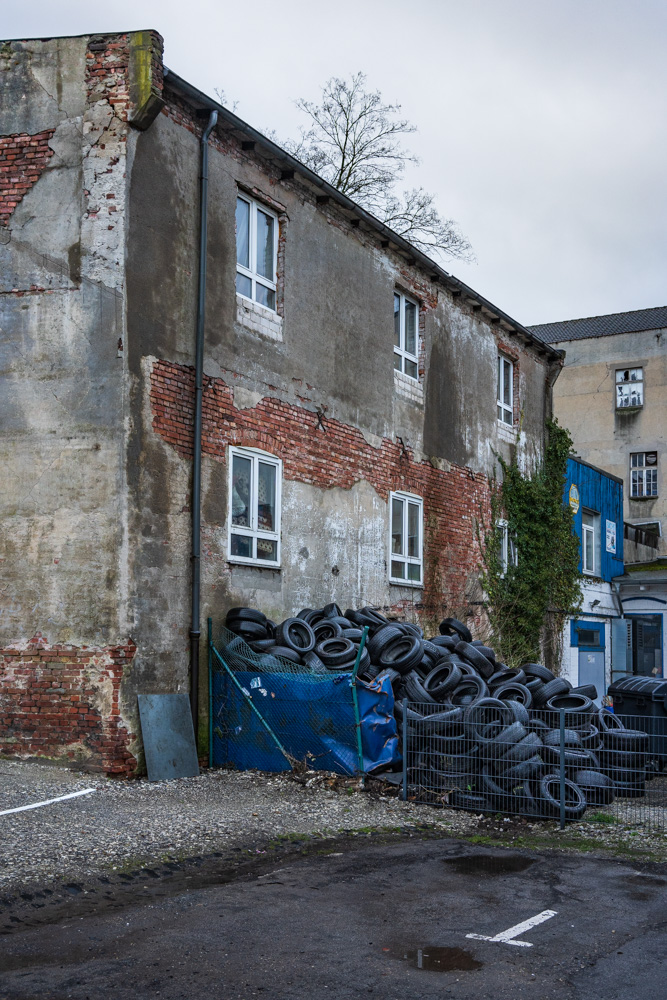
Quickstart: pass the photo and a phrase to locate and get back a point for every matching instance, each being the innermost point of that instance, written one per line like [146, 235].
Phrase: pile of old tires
[478, 735]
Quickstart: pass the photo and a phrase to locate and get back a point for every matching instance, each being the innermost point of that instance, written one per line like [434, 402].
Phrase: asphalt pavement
[407, 919]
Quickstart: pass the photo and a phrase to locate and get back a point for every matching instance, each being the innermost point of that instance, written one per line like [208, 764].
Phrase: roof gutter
[292, 165]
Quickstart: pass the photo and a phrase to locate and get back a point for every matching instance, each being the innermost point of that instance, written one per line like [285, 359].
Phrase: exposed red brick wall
[22, 160]
[338, 456]
[107, 76]
[63, 702]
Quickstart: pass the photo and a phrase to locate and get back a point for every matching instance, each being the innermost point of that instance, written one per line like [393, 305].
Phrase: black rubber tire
[286, 653]
[530, 745]
[495, 745]
[447, 642]
[514, 692]
[262, 645]
[539, 671]
[525, 770]
[550, 690]
[588, 690]
[607, 722]
[354, 634]
[349, 665]
[393, 675]
[444, 724]
[415, 691]
[575, 757]
[413, 716]
[571, 738]
[590, 738]
[381, 639]
[499, 798]
[332, 611]
[374, 615]
[403, 653]
[333, 652]
[518, 712]
[628, 784]
[341, 620]
[575, 800]
[525, 799]
[506, 676]
[597, 787]
[533, 684]
[626, 759]
[248, 629]
[452, 626]
[314, 663]
[296, 634]
[247, 615]
[468, 800]
[633, 740]
[442, 679]
[327, 629]
[469, 690]
[578, 708]
[486, 651]
[470, 653]
[434, 651]
[482, 713]
[538, 725]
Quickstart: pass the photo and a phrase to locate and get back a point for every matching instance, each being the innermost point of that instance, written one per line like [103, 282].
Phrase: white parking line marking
[507, 937]
[47, 802]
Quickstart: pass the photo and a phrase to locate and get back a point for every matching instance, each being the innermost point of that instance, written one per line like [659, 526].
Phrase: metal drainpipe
[195, 555]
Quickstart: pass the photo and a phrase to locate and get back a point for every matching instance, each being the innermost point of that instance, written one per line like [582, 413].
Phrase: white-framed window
[254, 507]
[644, 474]
[629, 387]
[406, 538]
[590, 542]
[256, 251]
[505, 394]
[508, 553]
[406, 335]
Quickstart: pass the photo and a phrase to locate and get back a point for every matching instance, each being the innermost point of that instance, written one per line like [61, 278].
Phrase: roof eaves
[436, 272]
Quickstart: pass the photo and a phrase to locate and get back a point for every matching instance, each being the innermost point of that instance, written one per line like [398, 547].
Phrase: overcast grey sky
[542, 125]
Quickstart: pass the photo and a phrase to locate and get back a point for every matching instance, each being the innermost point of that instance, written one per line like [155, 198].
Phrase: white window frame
[509, 554]
[594, 531]
[644, 473]
[253, 531]
[637, 382]
[504, 408]
[249, 272]
[400, 351]
[403, 557]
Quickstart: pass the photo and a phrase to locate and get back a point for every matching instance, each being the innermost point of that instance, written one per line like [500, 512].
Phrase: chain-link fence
[549, 764]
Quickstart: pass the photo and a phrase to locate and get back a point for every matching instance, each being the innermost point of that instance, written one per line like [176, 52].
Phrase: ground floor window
[405, 542]
[254, 516]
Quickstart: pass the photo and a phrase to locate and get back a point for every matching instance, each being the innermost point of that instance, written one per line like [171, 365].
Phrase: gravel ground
[131, 823]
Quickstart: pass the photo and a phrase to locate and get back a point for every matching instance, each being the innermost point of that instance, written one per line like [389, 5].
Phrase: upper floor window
[508, 553]
[405, 335]
[254, 507]
[590, 542]
[256, 252]
[644, 474]
[629, 387]
[407, 515]
[505, 394]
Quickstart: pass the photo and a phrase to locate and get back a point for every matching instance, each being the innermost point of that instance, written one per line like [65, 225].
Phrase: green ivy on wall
[530, 601]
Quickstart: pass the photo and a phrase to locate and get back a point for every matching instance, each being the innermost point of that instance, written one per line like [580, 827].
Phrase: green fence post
[355, 700]
[210, 693]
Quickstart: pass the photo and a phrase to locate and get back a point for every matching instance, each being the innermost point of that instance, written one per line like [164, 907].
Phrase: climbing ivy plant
[528, 603]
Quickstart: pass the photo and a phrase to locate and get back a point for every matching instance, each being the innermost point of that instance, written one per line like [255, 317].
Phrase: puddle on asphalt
[435, 959]
[489, 864]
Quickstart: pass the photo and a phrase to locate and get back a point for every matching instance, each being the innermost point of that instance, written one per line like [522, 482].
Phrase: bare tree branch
[353, 140]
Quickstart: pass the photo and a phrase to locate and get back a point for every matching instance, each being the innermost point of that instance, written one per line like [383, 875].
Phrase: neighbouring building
[354, 393]
[612, 395]
[596, 499]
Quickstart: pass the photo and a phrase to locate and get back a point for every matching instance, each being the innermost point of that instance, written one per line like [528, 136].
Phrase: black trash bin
[641, 703]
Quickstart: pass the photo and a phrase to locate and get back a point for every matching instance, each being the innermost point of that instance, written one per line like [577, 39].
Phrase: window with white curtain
[256, 252]
[254, 507]
[505, 393]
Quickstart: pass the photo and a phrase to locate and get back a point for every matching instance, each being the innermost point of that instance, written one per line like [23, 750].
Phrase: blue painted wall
[603, 495]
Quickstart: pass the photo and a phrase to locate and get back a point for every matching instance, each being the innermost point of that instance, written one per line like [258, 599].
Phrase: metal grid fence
[540, 764]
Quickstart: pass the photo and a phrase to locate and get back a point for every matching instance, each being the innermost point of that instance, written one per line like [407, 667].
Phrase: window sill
[642, 499]
[408, 387]
[506, 431]
[629, 409]
[406, 583]
[257, 563]
[258, 318]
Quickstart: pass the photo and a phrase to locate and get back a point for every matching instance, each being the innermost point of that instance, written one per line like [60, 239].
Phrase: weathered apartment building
[353, 393]
[612, 395]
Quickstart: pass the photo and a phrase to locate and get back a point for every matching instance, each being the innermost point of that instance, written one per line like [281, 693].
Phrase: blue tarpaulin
[312, 716]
